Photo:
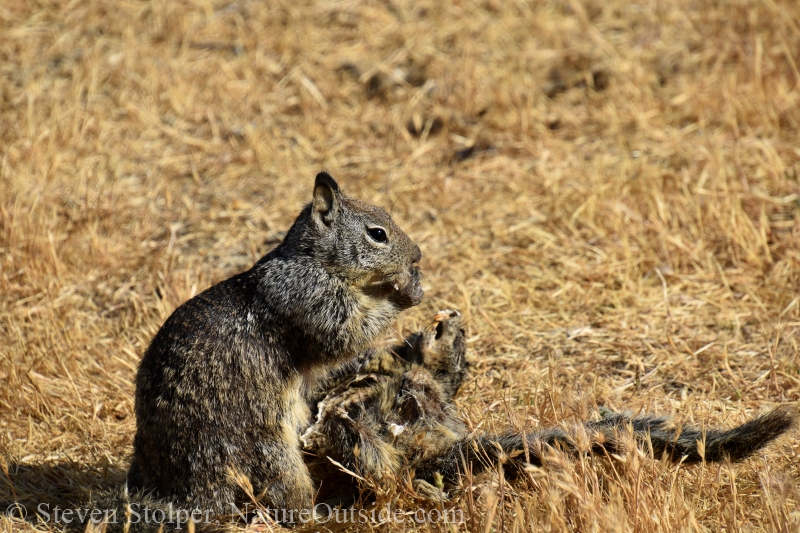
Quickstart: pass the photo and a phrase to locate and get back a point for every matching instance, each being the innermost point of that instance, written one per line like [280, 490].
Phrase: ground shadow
[44, 492]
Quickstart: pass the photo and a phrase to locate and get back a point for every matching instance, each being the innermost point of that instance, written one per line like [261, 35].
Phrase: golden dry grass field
[608, 190]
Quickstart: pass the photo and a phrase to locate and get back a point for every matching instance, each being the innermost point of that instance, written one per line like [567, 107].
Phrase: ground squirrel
[223, 386]
[395, 411]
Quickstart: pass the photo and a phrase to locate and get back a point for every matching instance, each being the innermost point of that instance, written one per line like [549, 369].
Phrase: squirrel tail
[694, 445]
[605, 436]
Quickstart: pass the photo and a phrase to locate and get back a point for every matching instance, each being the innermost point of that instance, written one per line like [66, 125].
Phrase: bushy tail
[607, 436]
[694, 445]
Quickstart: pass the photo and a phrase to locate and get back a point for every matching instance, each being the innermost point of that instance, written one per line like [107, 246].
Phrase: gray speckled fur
[223, 386]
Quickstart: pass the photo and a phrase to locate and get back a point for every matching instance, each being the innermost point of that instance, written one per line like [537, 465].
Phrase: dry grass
[553, 160]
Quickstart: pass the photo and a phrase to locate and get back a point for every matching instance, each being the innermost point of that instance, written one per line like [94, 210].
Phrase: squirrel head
[360, 243]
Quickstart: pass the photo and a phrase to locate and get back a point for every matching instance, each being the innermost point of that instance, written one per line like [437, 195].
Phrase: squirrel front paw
[408, 292]
[429, 492]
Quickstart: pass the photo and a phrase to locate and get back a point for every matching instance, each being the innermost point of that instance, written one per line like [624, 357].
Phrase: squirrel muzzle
[408, 289]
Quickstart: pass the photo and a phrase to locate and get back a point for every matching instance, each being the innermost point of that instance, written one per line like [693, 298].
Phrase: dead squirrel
[396, 412]
[222, 387]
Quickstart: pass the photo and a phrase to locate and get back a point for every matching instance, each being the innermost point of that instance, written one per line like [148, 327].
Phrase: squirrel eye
[377, 234]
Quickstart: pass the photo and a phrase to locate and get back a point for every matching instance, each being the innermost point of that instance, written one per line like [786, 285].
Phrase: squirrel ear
[325, 206]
